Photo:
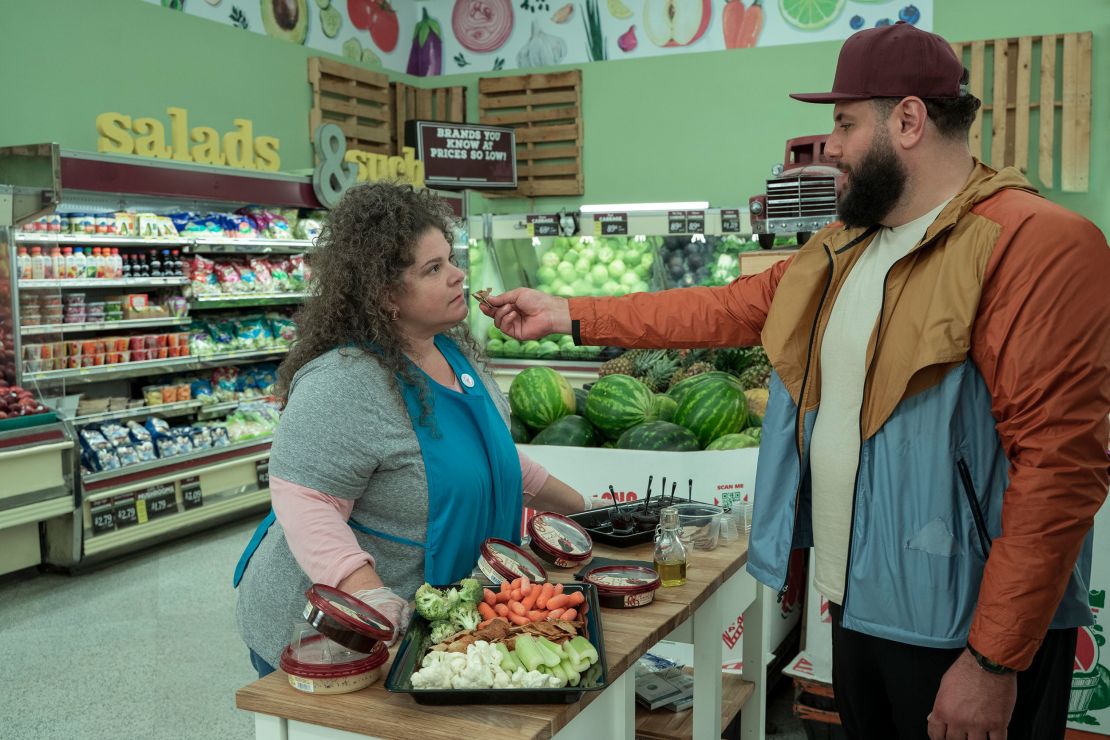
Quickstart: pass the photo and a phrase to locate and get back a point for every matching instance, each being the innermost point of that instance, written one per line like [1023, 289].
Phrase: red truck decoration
[801, 195]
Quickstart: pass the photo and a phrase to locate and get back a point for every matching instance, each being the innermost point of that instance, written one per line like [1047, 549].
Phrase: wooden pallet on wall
[355, 99]
[546, 111]
[1045, 74]
[435, 104]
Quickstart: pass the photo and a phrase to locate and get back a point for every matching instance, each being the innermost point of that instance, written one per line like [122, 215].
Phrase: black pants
[886, 689]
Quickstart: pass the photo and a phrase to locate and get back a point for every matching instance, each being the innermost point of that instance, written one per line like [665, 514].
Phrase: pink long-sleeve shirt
[316, 528]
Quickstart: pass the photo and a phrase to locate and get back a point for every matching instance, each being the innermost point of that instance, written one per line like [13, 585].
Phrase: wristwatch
[987, 664]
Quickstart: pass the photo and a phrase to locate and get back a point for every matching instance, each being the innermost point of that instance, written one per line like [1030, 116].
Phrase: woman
[393, 460]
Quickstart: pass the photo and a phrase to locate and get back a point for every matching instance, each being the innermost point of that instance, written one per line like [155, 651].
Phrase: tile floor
[147, 648]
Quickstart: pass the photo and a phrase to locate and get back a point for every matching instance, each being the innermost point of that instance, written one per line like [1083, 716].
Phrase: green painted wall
[688, 127]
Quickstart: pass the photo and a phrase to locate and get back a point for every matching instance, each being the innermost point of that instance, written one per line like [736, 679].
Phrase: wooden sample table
[696, 609]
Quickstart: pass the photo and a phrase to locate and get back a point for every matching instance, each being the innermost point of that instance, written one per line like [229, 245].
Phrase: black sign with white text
[461, 155]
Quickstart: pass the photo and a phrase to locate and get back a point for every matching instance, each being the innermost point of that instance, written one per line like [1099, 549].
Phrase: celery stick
[528, 652]
[585, 648]
[558, 672]
[572, 674]
[551, 647]
[550, 657]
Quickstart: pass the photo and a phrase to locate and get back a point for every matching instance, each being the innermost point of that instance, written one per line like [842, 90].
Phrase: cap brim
[829, 97]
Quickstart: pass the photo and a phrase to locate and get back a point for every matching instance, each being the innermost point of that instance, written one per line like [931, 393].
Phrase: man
[938, 413]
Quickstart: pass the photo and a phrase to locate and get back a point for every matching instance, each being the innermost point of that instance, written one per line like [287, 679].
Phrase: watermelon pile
[709, 411]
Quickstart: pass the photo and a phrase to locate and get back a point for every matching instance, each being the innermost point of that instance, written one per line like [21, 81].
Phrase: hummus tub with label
[501, 560]
[317, 665]
[559, 541]
[624, 586]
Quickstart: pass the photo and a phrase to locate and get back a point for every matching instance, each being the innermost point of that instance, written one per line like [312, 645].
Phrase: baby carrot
[555, 613]
[529, 601]
[501, 609]
[517, 619]
[569, 615]
[558, 588]
[558, 601]
[486, 610]
[506, 587]
[576, 598]
[537, 616]
[517, 608]
[516, 595]
[546, 593]
[525, 585]
[503, 596]
[489, 596]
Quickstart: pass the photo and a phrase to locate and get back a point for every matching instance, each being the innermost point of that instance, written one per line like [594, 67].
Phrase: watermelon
[733, 442]
[713, 408]
[570, 431]
[617, 402]
[539, 396]
[664, 407]
[580, 401]
[679, 390]
[518, 430]
[755, 432]
[658, 436]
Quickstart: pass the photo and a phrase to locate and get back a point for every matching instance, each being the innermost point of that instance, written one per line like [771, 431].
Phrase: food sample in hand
[483, 295]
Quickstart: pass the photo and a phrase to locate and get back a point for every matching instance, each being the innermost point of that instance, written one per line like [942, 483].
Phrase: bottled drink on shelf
[96, 268]
[155, 264]
[38, 264]
[69, 267]
[144, 268]
[125, 266]
[78, 264]
[59, 263]
[116, 263]
[167, 264]
[23, 264]
[91, 256]
[178, 266]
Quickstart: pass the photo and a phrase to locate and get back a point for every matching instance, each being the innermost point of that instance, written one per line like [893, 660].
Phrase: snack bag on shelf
[308, 228]
[164, 442]
[187, 222]
[263, 278]
[201, 389]
[201, 343]
[126, 224]
[127, 455]
[225, 382]
[298, 273]
[247, 279]
[228, 278]
[237, 226]
[148, 225]
[183, 438]
[253, 333]
[98, 453]
[279, 270]
[115, 433]
[201, 438]
[283, 328]
[202, 276]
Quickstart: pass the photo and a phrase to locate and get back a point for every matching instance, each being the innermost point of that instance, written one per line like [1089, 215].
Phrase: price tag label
[103, 520]
[543, 225]
[158, 501]
[191, 496]
[676, 222]
[730, 221]
[695, 222]
[611, 224]
[262, 473]
[125, 511]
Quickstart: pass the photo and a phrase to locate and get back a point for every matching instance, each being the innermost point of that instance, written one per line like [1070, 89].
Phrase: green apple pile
[604, 266]
[551, 347]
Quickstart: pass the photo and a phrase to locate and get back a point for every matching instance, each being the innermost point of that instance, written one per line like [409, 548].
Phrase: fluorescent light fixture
[693, 205]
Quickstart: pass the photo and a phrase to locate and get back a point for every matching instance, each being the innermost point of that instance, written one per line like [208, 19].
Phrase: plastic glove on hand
[392, 607]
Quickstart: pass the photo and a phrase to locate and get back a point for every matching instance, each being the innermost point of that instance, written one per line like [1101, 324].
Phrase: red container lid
[623, 580]
[310, 660]
[560, 537]
[345, 619]
[511, 562]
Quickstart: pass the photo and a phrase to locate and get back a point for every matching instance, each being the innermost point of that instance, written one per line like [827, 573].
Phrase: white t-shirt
[835, 445]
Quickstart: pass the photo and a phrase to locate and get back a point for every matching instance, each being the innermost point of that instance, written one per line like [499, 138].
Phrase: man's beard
[874, 186]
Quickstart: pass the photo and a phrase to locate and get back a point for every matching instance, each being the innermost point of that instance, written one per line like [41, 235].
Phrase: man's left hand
[972, 703]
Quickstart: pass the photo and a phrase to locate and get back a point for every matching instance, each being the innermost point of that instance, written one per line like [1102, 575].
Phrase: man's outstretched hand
[526, 314]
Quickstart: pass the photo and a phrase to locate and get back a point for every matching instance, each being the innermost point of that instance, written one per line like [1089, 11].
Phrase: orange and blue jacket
[983, 423]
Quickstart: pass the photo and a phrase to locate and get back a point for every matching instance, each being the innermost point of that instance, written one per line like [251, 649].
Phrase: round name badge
[467, 380]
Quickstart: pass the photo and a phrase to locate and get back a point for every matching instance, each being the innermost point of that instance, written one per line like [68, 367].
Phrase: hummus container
[501, 560]
[559, 541]
[624, 586]
[345, 619]
[317, 665]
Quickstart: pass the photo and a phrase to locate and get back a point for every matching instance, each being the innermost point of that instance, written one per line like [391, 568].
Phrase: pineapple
[621, 365]
[696, 369]
[659, 374]
[756, 376]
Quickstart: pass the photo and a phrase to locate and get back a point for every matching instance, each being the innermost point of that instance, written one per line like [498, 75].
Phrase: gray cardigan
[345, 431]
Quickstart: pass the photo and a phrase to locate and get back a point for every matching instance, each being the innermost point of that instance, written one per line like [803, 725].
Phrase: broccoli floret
[441, 630]
[465, 616]
[432, 604]
[470, 590]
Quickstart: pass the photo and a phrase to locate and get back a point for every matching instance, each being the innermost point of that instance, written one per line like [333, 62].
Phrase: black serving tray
[590, 521]
[415, 644]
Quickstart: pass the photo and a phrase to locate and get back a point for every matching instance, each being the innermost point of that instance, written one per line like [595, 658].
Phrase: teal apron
[473, 474]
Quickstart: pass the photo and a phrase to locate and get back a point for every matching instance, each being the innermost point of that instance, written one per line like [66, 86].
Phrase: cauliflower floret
[434, 675]
[523, 679]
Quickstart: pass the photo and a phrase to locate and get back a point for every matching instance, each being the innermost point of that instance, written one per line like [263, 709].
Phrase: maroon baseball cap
[893, 62]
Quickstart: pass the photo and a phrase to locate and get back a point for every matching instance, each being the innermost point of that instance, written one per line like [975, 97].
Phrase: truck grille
[801, 196]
